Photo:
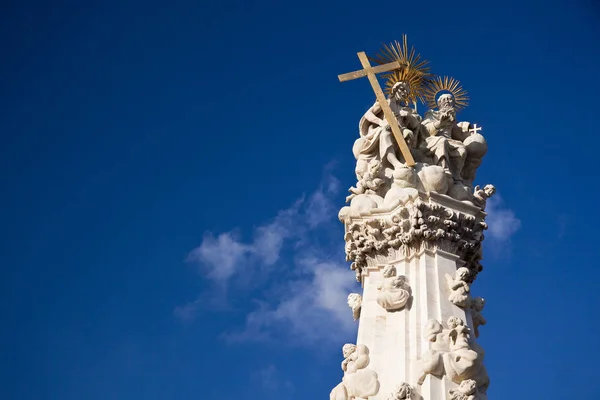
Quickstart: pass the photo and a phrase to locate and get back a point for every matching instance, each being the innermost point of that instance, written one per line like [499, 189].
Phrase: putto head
[462, 273]
[374, 166]
[389, 271]
[354, 300]
[348, 349]
[403, 392]
[489, 190]
[468, 387]
[454, 322]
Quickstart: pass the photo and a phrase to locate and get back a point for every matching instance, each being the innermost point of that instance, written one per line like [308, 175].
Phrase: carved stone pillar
[427, 238]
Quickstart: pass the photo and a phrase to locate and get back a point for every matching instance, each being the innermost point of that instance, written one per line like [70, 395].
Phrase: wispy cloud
[219, 257]
[272, 380]
[502, 222]
[309, 311]
[304, 282]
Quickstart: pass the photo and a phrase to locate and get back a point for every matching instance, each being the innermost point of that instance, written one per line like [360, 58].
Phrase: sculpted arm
[374, 119]
[458, 284]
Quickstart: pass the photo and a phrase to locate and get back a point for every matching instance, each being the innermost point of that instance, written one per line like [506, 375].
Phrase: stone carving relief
[394, 292]
[467, 390]
[447, 153]
[460, 296]
[355, 303]
[460, 288]
[453, 354]
[453, 145]
[412, 227]
[359, 382]
[403, 392]
[480, 196]
[368, 182]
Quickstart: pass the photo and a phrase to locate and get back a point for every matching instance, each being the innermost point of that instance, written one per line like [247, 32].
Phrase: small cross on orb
[370, 72]
[475, 129]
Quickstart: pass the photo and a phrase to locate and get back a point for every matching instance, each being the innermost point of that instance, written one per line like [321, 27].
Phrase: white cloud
[219, 257]
[320, 207]
[310, 301]
[502, 222]
[311, 310]
[272, 380]
[269, 239]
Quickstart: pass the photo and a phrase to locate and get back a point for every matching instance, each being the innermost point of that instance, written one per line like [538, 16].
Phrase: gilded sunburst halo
[446, 84]
[414, 70]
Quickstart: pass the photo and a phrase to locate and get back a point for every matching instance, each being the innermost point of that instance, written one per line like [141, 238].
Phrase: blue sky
[172, 173]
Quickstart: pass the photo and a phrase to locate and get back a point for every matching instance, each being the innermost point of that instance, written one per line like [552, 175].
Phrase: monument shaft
[413, 235]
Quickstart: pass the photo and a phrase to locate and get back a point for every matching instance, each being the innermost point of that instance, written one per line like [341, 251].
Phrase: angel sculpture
[358, 381]
[355, 303]
[368, 182]
[467, 390]
[394, 292]
[459, 288]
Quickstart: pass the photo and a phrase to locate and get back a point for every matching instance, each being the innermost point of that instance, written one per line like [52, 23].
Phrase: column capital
[421, 222]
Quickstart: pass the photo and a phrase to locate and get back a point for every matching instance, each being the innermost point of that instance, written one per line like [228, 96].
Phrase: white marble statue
[403, 392]
[359, 382]
[376, 138]
[480, 196]
[452, 354]
[369, 182]
[409, 121]
[447, 154]
[355, 303]
[413, 236]
[453, 145]
[459, 288]
[394, 292]
[467, 390]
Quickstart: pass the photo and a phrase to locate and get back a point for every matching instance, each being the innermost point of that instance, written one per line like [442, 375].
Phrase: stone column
[416, 263]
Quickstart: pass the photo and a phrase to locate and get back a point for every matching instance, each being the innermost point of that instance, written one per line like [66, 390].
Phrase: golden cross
[370, 72]
[475, 129]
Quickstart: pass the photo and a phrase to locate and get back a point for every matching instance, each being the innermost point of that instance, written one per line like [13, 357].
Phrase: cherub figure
[355, 303]
[403, 392]
[452, 354]
[394, 292]
[358, 380]
[369, 182]
[480, 196]
[467, 390]
[458, 334]
[459, 288]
